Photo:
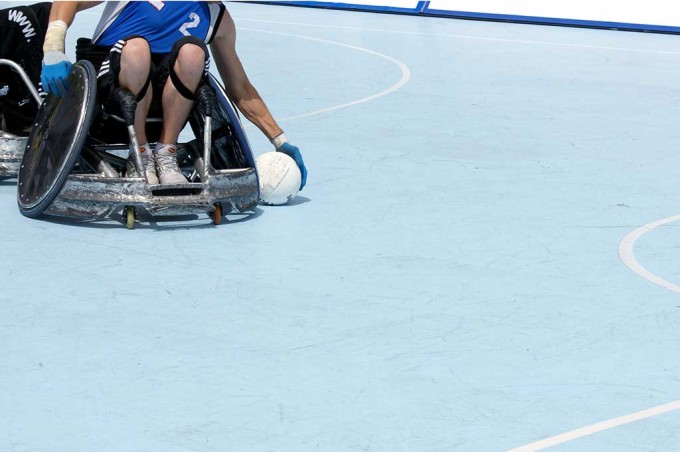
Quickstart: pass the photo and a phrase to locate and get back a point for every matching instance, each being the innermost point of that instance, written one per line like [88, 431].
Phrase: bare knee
[137, 50]
[135, 64]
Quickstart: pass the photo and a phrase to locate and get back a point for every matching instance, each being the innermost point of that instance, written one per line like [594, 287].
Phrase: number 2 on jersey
[195, 20]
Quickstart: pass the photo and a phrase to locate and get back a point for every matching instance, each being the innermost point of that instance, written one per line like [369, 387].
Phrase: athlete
[158, 51]
[22, 29]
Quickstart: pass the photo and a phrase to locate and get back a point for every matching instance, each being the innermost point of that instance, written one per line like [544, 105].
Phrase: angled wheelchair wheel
[227, 111]
[230, 146]
[56, 140]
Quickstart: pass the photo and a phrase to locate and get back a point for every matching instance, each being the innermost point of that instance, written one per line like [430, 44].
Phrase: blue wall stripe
[423, 8]
[553, 21]
[419, 8]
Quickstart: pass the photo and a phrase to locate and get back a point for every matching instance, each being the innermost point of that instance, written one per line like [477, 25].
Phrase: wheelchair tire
[54, 145]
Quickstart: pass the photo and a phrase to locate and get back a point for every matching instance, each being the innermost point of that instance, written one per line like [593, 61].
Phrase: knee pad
[181, 87]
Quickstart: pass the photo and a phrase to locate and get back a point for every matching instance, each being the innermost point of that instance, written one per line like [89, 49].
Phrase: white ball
[279, 178]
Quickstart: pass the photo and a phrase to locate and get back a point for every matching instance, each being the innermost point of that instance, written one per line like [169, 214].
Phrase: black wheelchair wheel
[55, 142]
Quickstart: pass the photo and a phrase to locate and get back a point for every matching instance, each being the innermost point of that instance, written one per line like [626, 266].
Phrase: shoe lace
[148, 161]
[167, 163]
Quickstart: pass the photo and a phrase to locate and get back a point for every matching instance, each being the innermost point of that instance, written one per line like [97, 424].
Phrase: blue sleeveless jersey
[161, 23]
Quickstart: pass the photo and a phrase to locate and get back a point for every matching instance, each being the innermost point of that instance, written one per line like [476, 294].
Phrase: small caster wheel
[129, 215]
[217, 214]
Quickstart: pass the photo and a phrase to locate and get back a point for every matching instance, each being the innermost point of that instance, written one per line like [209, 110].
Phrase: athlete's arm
[61, 17]
[66, 11]
[243, 93]
[56, 65]
[236, 82]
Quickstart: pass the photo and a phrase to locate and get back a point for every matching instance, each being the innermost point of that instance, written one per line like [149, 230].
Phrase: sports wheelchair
[12, 145]
[75, 160]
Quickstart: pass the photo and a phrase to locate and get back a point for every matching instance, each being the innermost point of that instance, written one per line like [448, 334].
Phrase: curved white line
[595, 428]
[405, 74]
[628, 258]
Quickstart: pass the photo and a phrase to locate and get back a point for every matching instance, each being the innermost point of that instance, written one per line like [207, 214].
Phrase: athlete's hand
[294, 152]
[56, 68]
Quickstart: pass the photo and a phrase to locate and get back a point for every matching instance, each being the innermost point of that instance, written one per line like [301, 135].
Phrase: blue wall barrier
[655, 17]
[392, 7]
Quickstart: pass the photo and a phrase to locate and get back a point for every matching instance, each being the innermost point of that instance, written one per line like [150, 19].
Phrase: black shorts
[107, 61]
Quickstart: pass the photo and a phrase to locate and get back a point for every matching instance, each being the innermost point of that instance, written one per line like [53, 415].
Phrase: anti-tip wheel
[129, 214]
[217, 214]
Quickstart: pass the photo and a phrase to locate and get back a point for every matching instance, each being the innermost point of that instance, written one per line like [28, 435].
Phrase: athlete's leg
[190, 69]
[134, 75]
[183, 70]
[128, 65]
[135, 65]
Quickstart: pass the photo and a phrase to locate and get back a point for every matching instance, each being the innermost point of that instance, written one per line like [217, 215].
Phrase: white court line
[454, 36]
[405, 74]
[627, 257]
[595, 428]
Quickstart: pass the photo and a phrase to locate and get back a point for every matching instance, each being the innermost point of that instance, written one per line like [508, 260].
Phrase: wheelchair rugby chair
[72, 167]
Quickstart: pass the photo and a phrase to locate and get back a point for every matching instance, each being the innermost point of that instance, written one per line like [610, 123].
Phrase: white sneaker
[149, 165]
[166, 165]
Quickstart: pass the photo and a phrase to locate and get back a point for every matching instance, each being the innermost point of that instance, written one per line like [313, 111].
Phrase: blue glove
[294, 152]
[56, 68]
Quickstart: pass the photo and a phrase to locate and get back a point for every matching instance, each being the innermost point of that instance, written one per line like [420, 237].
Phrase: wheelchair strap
[142, 92]
[181, 87]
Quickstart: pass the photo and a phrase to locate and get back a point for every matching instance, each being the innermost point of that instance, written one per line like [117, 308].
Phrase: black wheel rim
[55, 141]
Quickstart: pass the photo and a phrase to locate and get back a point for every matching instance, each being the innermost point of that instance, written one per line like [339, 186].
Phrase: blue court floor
[485, 258]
